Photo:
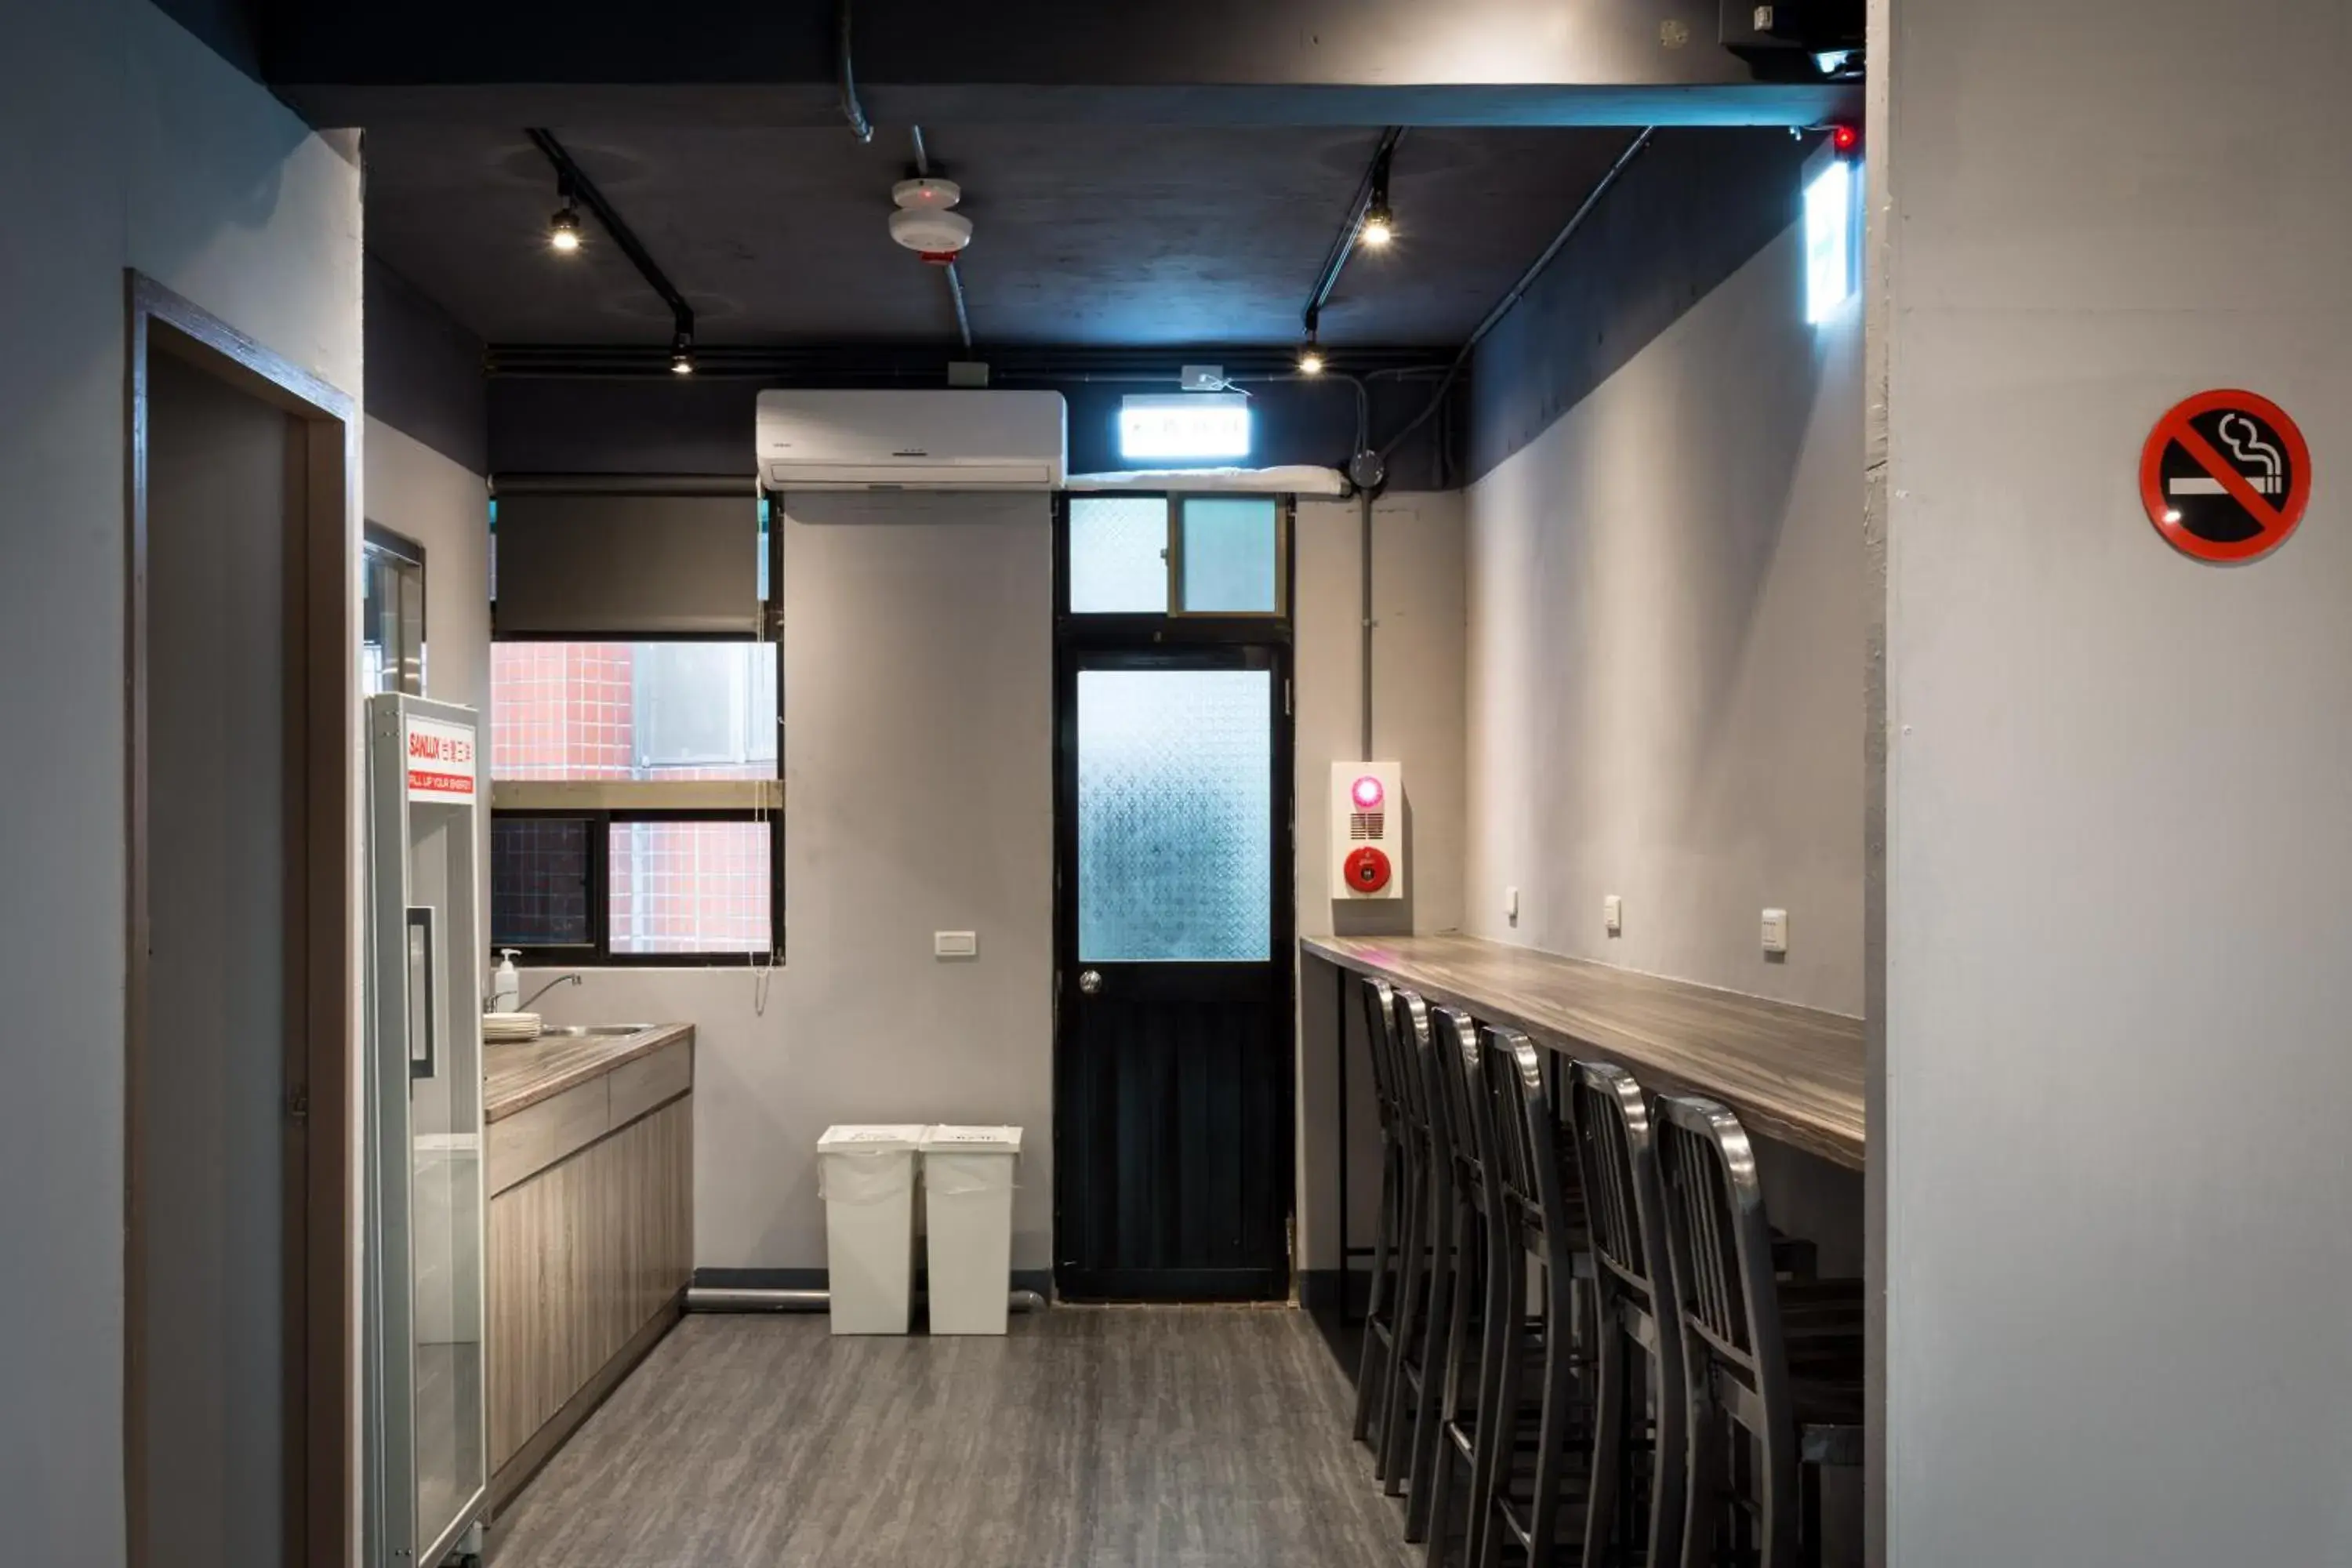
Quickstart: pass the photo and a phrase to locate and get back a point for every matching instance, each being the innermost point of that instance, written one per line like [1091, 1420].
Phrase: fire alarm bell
[1366, 830]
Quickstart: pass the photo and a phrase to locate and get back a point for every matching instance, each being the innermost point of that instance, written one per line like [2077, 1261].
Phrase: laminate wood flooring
[1087, 1438]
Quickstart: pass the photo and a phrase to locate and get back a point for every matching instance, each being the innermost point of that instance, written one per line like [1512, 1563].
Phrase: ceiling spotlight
[563, 231]
[1380, 223]
[681, 355]
[1310, 361]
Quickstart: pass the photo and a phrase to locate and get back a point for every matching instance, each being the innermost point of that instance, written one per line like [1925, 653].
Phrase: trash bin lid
[973, 1139]
[870, 1140]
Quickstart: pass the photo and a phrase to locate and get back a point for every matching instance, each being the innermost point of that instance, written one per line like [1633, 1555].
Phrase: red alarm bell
[1368, 869]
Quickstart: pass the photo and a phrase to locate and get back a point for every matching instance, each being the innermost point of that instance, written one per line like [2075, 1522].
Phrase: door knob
[1090, 981]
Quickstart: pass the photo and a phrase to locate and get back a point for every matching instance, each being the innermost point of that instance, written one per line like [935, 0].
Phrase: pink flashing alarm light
[1366, 794]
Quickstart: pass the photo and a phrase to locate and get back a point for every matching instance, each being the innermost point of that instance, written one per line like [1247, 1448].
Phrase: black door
[1173, 1108]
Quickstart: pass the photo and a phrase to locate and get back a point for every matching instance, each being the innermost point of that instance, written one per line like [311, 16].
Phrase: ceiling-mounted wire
[1526, 281]
[851, 109]
[955, 278]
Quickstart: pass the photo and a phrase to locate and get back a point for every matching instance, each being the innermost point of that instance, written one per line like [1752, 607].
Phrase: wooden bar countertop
[521, 1073]
[1791, 1073]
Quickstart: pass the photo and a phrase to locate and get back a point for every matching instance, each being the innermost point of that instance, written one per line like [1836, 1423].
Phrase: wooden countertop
[522, 1073]
[1791, 1073]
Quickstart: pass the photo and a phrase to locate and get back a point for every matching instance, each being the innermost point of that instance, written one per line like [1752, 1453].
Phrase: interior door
[1173, 1108]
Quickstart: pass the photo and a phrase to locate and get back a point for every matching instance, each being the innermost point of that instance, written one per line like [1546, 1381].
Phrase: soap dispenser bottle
[506, 985]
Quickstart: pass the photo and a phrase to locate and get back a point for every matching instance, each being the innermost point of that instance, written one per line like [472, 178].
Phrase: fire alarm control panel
[1366, 830]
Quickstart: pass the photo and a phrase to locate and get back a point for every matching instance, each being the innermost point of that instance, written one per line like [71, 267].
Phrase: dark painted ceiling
[1085, 235]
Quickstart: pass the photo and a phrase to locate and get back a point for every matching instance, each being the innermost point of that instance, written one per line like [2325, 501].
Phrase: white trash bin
[968, 1216]
[867, 1177]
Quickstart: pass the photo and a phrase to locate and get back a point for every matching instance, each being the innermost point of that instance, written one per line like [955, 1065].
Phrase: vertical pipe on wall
[1364, 742]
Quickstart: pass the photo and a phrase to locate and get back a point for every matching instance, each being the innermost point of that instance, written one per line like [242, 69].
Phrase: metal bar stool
[1424, 1279]
[1637, 1358]
[1773, 1367]
[1375, 1362]
[1460, 1371]
[1530, 1494]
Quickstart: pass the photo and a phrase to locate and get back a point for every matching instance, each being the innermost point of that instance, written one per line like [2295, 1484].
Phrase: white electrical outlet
[1511, 904]
[1776, 930]
[1612, 914]
[955, 944]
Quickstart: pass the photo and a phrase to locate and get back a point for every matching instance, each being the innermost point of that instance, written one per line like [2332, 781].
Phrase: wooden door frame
[1078, 635]
[322, 849]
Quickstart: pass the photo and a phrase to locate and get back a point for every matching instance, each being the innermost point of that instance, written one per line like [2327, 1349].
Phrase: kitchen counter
[591, 1179]
[521, 1074]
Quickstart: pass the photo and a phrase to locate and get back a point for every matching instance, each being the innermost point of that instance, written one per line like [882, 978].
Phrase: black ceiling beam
[944, 61]
[574, 184]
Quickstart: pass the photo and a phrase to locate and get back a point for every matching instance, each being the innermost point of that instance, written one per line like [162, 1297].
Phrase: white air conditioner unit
[976, 440]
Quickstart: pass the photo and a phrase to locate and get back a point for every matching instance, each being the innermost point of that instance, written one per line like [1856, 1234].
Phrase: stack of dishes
[506, 1028]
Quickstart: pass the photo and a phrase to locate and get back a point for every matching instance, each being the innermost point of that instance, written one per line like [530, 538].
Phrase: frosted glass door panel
[1230, 545]
[1175, 816]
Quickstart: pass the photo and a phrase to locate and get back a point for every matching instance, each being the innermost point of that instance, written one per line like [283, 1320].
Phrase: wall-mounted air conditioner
[933, 440]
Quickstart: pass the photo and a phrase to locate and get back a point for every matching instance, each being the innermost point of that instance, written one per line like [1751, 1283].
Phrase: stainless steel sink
[585, 1031]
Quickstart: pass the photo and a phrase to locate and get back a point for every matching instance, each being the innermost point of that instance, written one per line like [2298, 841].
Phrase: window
[636, 787]
[1189, 555]
[392, 613]
[1833, 213]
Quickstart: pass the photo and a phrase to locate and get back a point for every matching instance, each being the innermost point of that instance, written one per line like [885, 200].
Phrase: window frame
[1172, 559]
[599, 954]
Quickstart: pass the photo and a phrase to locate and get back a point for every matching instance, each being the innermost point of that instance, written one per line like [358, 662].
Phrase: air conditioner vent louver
[990, 439]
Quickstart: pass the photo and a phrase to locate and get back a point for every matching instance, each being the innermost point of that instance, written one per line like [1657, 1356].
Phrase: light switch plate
[955, 944]
[1511, 903]
[1612, 914]
[1776, 930]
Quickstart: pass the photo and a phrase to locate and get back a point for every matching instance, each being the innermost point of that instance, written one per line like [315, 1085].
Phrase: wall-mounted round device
[1366, 793]
[1367, 869]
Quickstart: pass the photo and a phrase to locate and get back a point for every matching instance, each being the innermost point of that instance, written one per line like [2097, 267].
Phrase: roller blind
[627, 559]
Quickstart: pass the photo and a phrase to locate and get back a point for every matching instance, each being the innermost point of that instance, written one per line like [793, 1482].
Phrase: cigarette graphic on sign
[2265, 468]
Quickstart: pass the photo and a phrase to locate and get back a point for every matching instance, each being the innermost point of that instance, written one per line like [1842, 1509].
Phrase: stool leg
[1777, 1488]
[1560, 1343]
[1506, 1268]
[1670, 1485]
[1367, 1383]
[1608, 1438]
[1405, 1315]
[1702, 1506]
[1458, 1373]
[1447, 1283]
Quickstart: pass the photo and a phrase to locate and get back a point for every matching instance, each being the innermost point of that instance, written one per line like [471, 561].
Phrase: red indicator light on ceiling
[1366, 794]
[1844, 138]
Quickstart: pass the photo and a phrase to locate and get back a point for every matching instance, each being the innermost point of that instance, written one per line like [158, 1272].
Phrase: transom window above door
[1178, 556]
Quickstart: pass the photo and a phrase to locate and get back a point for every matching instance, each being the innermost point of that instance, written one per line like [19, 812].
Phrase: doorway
[238, 1109]
[1173, 1068]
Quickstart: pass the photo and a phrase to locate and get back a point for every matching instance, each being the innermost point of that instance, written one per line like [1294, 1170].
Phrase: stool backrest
[1410, 1014]
[1456, 1060]
[1534, 1178]
[1721, 1241]
[1380, 1030]
[1428, 1061]
[1617, 1152]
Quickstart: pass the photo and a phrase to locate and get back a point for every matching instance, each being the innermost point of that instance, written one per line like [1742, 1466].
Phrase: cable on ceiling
[576, 185]
[1519, 290]
[851, 109]
[955, 276]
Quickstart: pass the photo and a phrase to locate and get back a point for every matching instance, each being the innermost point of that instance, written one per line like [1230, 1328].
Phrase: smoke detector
[924, 222]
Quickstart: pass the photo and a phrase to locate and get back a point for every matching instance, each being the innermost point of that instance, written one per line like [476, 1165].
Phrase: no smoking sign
[2225, 476]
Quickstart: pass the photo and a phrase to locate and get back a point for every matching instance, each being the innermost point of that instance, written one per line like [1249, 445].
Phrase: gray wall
[2118, 848]
[1417, 685]
[919, 796]
[424, 373]
[1664, 653]
[130, 144]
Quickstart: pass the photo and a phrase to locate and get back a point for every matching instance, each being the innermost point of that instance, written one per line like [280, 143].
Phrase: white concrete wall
[127, 143]
[2118, 854]
[918, 790]
[1665, 667]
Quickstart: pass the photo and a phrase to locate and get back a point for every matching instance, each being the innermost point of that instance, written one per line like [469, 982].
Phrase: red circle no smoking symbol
[2225, 476]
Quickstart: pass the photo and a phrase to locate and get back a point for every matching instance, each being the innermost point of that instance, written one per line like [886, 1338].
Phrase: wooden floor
[1089, 1437]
